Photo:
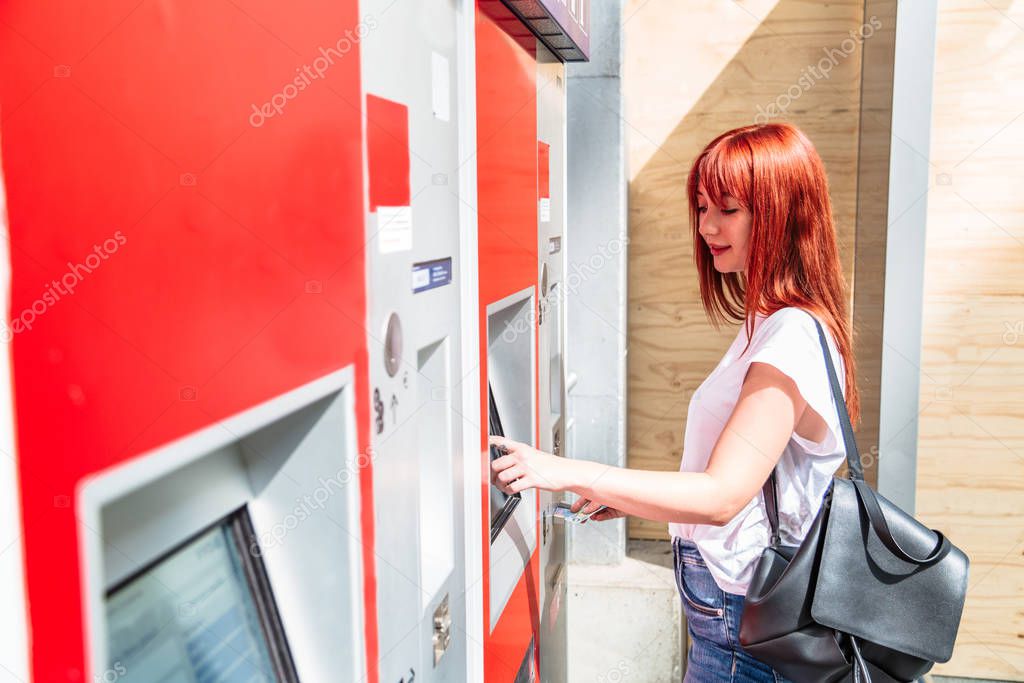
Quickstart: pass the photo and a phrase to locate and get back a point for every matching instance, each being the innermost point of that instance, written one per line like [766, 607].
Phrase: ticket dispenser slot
[511, 376]
[233, 540]
[436, 494]
[555, 334]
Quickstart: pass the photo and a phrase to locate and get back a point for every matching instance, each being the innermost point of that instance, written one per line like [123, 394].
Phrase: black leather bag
[870, 594]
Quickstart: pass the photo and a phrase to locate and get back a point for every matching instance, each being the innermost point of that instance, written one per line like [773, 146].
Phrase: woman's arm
[751, 442]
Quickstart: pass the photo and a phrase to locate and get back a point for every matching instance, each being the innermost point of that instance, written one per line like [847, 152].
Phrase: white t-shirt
[787, 339]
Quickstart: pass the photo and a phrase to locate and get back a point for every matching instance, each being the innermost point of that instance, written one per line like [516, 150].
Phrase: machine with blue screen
[202, 613]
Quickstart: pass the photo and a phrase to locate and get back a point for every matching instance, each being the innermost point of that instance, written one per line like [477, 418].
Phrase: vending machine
[520, 51]
[187, 330]
[240, 237]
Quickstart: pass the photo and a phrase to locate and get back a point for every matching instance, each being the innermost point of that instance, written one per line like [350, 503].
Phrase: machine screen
[194, 617]
[502, 505]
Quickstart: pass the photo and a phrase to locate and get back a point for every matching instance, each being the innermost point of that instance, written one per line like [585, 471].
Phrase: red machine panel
[507, 223]
[186, 218]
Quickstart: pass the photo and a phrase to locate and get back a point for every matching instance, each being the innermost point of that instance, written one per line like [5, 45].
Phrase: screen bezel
[243, 535]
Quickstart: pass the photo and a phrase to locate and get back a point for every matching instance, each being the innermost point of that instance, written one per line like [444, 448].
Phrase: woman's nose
[707, 226]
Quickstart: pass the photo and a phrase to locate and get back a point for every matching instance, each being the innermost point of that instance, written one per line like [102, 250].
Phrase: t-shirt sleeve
[789, 341]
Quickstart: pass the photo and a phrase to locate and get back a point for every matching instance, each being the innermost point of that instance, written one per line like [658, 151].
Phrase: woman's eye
[729, 212]
[702, 209]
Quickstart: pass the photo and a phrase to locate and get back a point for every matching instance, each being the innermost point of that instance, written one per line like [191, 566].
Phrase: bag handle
[856, 474]
[853, 464]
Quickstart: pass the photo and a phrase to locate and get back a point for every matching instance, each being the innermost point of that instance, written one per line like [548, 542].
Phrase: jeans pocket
[695, 583]
[699, 590]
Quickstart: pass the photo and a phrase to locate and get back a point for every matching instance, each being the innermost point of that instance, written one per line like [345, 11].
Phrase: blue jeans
[713, 621]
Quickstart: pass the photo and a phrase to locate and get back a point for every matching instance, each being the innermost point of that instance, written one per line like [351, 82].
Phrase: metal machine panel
[413, 323]
[551, 252]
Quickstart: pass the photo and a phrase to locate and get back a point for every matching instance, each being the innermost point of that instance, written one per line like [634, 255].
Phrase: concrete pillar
[596, 274]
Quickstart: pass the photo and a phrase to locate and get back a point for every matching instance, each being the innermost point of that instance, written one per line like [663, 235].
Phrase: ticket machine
[236, 336]
[187, 329]
[521, 151]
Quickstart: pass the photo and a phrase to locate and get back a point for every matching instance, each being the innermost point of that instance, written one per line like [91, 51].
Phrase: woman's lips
[715, 251]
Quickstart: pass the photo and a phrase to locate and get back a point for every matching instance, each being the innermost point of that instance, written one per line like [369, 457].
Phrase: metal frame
[909, 174]
[202, 455]
[469, 296]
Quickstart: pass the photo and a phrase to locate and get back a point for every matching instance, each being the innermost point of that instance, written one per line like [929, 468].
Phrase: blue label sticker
[431, 274]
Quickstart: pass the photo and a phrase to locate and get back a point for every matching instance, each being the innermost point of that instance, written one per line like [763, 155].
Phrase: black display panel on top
[202, 613]
[562, 25]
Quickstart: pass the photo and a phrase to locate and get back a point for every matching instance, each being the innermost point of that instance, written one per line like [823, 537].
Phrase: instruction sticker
[431, 274]
[544, 180]
[394, 228]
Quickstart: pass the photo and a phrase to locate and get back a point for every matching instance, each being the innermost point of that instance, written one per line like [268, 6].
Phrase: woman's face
[725, 229]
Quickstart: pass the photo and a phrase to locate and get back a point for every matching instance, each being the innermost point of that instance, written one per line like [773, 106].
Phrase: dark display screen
[195, 615]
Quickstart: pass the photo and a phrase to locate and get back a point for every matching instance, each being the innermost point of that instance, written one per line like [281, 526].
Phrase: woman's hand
[588, 506]
[523, 467]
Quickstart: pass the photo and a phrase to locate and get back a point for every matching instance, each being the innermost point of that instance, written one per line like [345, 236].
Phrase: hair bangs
[727, 169]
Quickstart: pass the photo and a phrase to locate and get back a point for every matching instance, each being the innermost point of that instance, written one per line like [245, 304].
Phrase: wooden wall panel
[693, 70]
[971, 434]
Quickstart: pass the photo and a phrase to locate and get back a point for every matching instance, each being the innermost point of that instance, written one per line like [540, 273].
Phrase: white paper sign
[545, 210]
[394, 228]
[441, 86]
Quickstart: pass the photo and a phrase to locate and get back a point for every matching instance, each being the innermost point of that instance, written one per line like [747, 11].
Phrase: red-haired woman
[765, 251]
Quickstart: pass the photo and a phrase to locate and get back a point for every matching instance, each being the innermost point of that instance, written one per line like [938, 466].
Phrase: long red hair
[774, 171]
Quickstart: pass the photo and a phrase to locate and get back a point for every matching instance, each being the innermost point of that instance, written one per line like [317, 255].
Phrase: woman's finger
[590, 507]
[578, 503]
[501, 441]
[510, 474]
[502, 463]
[521, 484]
[605, 515]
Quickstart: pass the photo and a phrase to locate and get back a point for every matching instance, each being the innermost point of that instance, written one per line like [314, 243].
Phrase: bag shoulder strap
[853, 464]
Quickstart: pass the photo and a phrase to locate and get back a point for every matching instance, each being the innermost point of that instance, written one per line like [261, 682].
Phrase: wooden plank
[971, 434]
[685, 82]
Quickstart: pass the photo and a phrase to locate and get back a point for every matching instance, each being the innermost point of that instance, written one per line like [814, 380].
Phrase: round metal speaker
[393, 345]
